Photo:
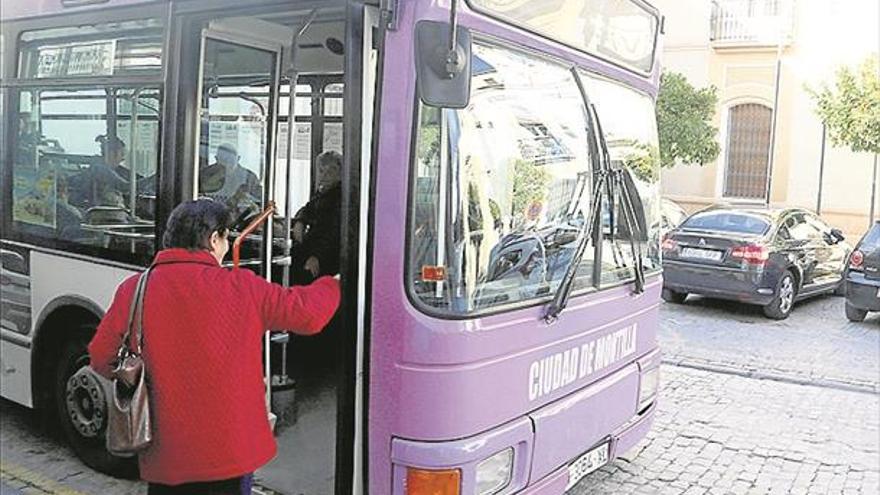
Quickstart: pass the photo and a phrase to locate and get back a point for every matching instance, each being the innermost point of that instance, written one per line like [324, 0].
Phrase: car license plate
[586, 464]
[702, 254]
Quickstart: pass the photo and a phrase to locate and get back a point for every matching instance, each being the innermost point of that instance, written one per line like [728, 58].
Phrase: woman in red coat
[203, 329]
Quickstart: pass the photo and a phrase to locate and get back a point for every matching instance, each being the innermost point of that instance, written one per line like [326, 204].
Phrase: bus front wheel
[81, 403]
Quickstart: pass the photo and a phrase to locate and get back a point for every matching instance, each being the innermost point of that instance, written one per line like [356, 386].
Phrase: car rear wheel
[672, 296]
[855, 314]
[81, 402]
[783, 300]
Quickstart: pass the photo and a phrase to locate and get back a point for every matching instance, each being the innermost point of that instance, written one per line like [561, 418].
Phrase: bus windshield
[499, 189]
[621, 31]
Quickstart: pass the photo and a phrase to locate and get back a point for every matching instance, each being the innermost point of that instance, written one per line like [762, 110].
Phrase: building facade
[762, 55]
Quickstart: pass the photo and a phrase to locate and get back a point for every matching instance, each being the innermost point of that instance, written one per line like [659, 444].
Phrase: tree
[642, 161]
[529, 187]
[683, 119]
[851, 109]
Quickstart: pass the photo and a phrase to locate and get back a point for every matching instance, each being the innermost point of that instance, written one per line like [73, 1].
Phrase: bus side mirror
[443, 79]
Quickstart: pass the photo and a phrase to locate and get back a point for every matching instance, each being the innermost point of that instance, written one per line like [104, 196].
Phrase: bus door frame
[228, 34]
[183, 84]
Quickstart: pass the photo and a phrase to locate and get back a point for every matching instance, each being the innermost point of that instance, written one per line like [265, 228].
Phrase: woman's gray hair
[330, 158]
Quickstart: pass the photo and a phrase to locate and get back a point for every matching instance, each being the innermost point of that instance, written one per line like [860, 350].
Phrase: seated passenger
[315, 227]
[114, 152]
[104, 182]
[227, 181]
[27, 141]
[68, 219]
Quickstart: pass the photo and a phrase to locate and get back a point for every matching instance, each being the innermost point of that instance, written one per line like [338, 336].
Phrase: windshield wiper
[619, 190]
[587, 232]
[588, 229]
[613, 184]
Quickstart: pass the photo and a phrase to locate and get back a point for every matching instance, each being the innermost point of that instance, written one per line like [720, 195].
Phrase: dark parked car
[863, 276]
[769, 257]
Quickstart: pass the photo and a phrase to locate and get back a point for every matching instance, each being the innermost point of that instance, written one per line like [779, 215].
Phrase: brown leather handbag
[129, 429]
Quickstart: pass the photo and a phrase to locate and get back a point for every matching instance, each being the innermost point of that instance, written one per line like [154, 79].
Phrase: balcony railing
[751, 22]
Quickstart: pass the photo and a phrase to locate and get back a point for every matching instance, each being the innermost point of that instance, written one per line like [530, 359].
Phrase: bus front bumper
[622, 441]
[543, 444]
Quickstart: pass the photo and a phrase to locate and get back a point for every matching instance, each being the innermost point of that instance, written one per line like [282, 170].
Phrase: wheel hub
[86, 402]
[786, 295]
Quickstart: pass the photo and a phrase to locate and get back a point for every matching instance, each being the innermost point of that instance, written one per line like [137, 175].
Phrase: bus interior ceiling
[304, 370]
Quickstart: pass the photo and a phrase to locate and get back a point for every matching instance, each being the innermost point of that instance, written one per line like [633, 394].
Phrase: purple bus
[498, 220]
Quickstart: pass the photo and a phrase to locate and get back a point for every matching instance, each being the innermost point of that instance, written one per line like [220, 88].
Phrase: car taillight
[856, 261]
[668, 244]
[752, 254]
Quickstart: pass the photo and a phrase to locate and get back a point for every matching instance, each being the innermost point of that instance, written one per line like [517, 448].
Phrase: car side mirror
[835, 236]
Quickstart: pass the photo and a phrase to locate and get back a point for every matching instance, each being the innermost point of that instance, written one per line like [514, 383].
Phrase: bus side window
[86, 153]
[79, 178]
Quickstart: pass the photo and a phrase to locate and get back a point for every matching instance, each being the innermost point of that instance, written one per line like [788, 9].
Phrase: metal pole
[772, 151]
[821, 172]
[874, 180]
[292, 76]
[873, 193]
[133, 139]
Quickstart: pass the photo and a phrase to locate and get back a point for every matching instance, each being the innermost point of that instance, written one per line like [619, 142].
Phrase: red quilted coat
[203, 328]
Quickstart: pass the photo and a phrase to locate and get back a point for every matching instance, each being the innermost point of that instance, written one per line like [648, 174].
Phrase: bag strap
[136, 315]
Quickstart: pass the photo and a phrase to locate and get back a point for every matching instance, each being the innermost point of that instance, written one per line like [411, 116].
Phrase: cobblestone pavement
[722, 433]
[748, 406]
[33, 462]
[816, 344]
[751, 405]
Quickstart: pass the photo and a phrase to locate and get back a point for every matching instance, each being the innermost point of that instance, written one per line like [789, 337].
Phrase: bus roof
[23, 9]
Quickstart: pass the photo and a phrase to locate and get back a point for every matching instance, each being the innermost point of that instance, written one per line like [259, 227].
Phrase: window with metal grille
[748, 147]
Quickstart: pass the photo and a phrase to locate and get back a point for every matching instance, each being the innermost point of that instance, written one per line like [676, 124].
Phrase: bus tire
[81, 404]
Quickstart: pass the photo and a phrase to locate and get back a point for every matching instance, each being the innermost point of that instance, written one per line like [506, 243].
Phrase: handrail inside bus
[292, 76]
[236, 246]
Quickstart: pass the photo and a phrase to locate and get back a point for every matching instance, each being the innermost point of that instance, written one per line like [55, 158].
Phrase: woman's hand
[313, 266]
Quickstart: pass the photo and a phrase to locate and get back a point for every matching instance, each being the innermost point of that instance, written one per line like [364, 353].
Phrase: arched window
[748, 151]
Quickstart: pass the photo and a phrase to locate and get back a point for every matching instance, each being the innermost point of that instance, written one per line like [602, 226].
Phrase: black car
[863, 276]
[769, 257]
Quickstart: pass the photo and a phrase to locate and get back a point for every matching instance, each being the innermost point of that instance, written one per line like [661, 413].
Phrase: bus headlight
[648, 386]
[494, 473]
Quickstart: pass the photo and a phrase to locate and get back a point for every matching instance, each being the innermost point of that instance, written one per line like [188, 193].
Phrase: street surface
[748, 405]
[751, 405]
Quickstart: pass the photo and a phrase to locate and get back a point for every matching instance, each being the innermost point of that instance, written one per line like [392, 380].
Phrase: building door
[748, 151]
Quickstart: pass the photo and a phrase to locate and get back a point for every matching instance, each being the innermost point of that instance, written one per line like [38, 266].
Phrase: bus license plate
[702, 254]
[586, 464]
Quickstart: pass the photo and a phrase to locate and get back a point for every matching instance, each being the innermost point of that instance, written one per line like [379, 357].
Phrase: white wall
[686, 50]
[828, 34]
